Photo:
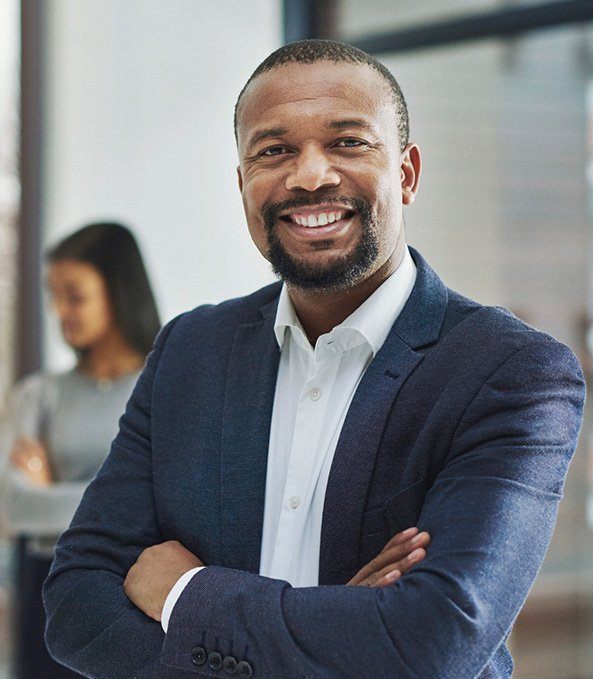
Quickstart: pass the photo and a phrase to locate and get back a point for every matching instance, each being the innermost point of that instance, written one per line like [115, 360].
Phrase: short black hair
[112, 250]
[310, 51]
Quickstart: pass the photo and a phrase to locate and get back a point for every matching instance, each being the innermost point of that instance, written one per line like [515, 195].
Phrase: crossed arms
[490, 513]
[150, 580]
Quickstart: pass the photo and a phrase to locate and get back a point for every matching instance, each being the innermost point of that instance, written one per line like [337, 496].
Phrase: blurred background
[122, 110]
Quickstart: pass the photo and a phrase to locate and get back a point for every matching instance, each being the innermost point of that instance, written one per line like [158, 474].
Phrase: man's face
[321, 173]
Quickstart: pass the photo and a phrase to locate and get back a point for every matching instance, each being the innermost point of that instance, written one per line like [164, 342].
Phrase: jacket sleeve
[490, 512]
[92, 627]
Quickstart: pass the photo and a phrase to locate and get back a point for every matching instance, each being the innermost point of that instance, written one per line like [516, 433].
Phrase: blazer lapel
[249, 399]
[418, 325]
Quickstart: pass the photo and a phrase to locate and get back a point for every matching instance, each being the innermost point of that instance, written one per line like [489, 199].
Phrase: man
[286, 439]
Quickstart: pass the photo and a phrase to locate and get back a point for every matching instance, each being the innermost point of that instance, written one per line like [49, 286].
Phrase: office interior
[123, 110]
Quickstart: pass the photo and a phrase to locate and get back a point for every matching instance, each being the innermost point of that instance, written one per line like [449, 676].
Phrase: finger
[401, 537]
[366, 571]
[391, 555]
[18, 449]
[388, 578]
[36, 448]
[24, 444]
[30, 441]
[39, 450]
[386, 575]
[397, 553]
[400, 551]
[19, 459]
[405, 564]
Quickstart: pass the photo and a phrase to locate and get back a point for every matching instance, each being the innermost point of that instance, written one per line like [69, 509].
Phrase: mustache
[271, 210]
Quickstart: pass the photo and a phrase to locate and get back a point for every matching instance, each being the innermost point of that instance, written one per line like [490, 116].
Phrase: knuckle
[397, 552]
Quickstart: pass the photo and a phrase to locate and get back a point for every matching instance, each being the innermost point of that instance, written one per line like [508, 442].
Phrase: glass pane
[357, 19]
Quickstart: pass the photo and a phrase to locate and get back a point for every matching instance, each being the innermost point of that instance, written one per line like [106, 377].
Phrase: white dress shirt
[314, 388]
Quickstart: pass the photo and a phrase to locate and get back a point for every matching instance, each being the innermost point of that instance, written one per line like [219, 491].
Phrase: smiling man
[317, 434]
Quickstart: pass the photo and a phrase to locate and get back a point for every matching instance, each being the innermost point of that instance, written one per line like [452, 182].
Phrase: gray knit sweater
[76, 418]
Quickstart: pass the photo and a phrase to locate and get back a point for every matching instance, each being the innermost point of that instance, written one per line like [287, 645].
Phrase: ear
[411, 166]
[240, 178]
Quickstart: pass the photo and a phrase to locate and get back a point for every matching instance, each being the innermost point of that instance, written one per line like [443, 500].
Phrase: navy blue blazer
[464, 424]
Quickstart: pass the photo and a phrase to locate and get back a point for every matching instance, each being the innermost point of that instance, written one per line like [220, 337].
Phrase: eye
[273, 151]
[349, 143]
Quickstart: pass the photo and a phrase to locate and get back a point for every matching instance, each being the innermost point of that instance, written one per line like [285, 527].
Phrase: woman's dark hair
[112, 250]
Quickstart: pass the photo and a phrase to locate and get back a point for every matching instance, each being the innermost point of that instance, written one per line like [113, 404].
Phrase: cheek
[258, 236]
[253, 202]
[389, 197]
[255, 193]
[96, 316]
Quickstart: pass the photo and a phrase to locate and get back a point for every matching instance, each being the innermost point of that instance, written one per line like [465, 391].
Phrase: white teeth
[322, 219]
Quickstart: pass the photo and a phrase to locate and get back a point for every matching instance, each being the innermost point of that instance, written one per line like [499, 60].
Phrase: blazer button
[230, 664]
[244, 669]
[198, 655]
[214, 660]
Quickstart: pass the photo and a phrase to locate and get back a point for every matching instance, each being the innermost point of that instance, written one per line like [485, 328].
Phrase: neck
[110, 358]
[319, 311]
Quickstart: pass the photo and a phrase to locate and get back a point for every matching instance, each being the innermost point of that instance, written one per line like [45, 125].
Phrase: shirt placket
[307, 455]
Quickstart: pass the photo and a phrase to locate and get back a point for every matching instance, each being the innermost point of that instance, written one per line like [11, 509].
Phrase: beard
[343, 272]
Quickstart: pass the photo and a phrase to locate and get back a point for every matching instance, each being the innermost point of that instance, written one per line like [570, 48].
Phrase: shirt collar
[373, 319]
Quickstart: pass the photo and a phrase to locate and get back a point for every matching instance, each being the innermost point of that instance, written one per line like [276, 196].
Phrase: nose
[311, 170]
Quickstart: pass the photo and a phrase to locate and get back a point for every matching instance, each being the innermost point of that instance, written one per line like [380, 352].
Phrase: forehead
[294, 91]
[72, 272]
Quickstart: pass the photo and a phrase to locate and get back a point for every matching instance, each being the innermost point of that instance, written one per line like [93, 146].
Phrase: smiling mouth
[319, 217]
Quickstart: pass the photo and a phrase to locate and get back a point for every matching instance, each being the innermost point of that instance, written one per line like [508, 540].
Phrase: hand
[29, 456]
[404, 550]
[152, 577]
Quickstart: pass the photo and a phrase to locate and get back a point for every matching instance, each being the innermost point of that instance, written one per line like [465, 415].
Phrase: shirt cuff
[174, 594]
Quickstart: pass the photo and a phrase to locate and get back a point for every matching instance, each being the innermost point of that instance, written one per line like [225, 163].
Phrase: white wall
[140, 97]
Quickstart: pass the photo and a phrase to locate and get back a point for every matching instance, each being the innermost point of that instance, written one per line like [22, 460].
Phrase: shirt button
[315, 394]
[294, 501]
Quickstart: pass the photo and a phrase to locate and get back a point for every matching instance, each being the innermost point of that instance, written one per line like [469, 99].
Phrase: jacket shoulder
[220, 320]
[496, 329]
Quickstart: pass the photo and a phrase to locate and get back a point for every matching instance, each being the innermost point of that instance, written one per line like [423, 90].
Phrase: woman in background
[58, 427]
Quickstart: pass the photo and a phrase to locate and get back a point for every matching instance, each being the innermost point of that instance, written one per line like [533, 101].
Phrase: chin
[76, 343]
[325, 273]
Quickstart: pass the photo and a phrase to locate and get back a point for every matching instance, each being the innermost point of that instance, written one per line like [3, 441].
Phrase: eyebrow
[350, 122]
[266, 134]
